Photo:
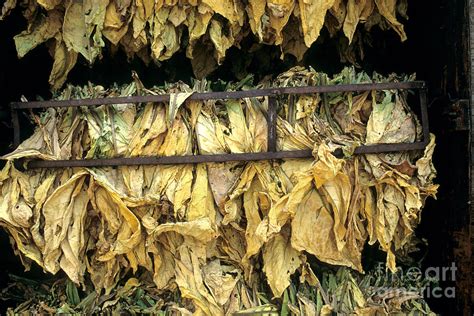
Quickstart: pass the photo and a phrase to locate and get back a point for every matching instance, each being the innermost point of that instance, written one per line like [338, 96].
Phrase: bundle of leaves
[205, 29]
[216, 231]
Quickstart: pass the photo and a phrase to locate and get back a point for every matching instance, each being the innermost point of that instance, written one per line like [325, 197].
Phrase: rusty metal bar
[271, 123]
[424, 116]
[387, 148]
[171, 160]
[223, 95]
[192, 159]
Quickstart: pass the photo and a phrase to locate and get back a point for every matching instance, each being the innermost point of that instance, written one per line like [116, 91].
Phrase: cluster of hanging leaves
[214, 231]
[206, 29]
[340, 291]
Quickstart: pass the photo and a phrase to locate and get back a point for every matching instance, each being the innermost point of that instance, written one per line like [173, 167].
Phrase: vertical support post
[291, 109]
[16, 128]
[272, 117]
[424, 115]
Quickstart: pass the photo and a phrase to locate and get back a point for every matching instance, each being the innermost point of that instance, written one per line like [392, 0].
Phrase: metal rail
[223, 95]
[271, 117]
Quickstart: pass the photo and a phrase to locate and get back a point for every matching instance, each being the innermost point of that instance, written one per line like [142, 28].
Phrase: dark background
[436, 49]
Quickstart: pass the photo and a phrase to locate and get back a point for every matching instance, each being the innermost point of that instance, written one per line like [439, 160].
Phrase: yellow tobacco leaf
[46, 28]
[10, 198]
[227, 8]
[210, 137]
[222, 176]
[166, 37]
[322, 243]
[293, 41]
[232, 208]
[49, 4]
[202, 202]
[64, 61]
[280, 261]
[94, 17]
[337, 193]
[327, 167]
[387, 9]
[281, 11]
[177, 141]
[139, 256]
[74, 28]
[221, 41]
[367, 11]
[144, 10]
[197, 23]
[7, 7]
[115, 26]
[402, 8]
[254, 220]
[309, 307]
[42, 144]
[191, 284]
[180, 195]
[23, 247]
[257, 126]
[64, 230]
[338, 11]
[239, 139]
[255, 10]
[177, 15]
[219, 280]
[176, 101]
[199, 229]
[313, 14]
[353, 16]
[43, 191]
[232, 243]
[118, 220]
[306, 105]
[104, 275]
[426, 170]
[292, 138]
[389, 122]
[147, 130]
[164, 268]
[307, 275]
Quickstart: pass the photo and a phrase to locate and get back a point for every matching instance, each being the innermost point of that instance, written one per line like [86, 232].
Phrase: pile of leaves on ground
[214, 231]
[205, 29]
[340, 291]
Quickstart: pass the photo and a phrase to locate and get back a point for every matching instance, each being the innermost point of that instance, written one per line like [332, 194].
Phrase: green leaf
[72, 294]
[284, 305]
